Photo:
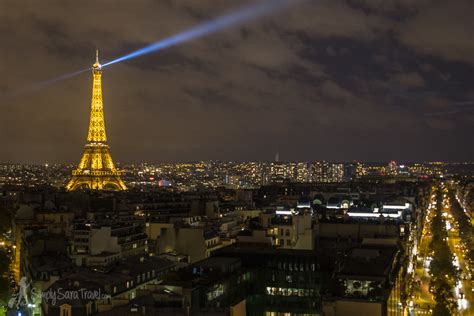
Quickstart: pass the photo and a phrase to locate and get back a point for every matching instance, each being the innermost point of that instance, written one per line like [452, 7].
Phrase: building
[96, 170]
[277, 281]
[100, 244]
[104, 290]
[322, 171]
[196, 242]
[368, 281]
[290, 229]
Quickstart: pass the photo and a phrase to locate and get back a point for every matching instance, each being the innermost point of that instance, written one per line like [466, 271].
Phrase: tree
[441, 310]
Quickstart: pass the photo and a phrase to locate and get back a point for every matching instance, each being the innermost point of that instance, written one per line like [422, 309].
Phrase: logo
[25, 296]
[79, 294]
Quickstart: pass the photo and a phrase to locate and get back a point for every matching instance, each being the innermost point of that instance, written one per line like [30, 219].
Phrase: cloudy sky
[336, 80]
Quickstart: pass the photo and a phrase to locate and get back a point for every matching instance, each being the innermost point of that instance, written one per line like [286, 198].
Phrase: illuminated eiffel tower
[96, 170]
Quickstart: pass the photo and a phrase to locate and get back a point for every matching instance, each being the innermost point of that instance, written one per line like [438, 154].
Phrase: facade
[290, 229]
[322, 171]
[195, 242]
[102, 244]
[367, 280]
[44, 260]
[277, 281]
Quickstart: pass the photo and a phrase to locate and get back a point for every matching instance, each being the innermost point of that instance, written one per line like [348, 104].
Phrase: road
[422, 300]
[421, 297]
[465, 301]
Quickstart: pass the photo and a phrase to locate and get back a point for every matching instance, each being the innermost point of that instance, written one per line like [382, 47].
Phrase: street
[422, 299]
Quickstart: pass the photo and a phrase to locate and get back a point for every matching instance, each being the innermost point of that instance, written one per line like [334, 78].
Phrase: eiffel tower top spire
[97, 63]
[97, 125]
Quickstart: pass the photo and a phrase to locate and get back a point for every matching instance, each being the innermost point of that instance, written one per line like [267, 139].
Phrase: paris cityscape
[277, 158]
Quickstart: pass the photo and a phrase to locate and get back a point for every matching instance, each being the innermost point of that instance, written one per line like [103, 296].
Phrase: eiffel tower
[96, 170]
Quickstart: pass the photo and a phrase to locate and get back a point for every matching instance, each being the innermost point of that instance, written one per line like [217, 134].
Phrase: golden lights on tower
[96, 170]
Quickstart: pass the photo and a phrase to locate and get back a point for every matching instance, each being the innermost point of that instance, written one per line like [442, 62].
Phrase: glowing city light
[462, 304]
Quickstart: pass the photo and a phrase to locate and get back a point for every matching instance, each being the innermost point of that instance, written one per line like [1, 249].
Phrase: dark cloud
[336, 80]
[411, 79]
[443, 29]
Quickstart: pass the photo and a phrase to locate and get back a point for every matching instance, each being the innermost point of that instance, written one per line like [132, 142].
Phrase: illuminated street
[463, 289]
[423, 300]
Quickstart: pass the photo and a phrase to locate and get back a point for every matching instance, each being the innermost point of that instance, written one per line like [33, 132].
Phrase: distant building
[322, 171]
[392, 168]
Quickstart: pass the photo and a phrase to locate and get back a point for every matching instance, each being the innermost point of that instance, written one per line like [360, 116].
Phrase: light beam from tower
[235, 18]
[238, 17]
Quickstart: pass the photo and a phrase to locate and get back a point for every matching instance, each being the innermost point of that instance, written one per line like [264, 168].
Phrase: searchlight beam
[232, 19]
[242, 15]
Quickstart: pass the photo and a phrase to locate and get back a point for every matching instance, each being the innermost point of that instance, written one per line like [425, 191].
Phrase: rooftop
[368, 262]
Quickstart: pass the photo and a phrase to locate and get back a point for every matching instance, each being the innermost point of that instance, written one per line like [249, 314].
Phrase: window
[65, 310]
[288, 242]
[89, 308]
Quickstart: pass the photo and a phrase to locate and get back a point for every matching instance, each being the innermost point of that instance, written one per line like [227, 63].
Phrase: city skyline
[297, 82]
[255, 157]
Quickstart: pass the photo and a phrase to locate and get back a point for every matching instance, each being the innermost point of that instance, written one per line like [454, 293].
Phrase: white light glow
[399, 214]
[282, 212]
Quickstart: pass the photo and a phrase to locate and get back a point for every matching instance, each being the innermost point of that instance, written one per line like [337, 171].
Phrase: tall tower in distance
[96, 170]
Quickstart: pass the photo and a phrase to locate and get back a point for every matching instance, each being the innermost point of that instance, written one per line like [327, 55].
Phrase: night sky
[370, 80]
